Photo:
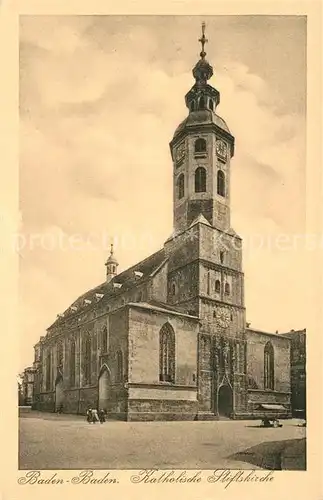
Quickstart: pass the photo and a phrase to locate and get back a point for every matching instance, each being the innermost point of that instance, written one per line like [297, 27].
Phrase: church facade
[167, 339]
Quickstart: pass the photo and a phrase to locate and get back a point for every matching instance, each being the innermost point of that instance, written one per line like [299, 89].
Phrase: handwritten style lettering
[228, 477]
[157, 477]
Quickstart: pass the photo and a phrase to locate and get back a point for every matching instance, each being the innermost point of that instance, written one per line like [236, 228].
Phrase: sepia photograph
[162, 242]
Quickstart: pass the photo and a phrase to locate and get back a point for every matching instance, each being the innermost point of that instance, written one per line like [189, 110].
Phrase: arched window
[87, 360]
[119, 370]
[221, 257]
[180, 186]
[192, 106]
[173, 289]
[211, 105]
[217, 286]
[48, 371]
[227, 289]
[60, 355]
[221, 183]
[167, 354]
[269, 366]
[200, 145]
[200, 180]
[202, 103]
[72, 362]
[104, 340]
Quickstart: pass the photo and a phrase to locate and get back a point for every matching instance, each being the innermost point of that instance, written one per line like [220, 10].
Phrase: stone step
[207, 416]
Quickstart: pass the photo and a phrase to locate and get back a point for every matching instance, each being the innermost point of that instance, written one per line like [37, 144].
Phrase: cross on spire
[203, 41]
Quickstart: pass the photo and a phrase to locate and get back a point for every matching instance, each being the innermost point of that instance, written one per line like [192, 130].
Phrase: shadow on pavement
[289, 454]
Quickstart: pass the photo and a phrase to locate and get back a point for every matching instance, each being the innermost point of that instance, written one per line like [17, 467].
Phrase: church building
[167, 339]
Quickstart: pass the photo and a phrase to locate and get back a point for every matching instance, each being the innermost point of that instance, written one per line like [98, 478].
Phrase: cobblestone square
[51, 441]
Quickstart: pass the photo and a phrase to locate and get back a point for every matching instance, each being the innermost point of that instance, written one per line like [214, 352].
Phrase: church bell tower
[201, 150]
[205, 274]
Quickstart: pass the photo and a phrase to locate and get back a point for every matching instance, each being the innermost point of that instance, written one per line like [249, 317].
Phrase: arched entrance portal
[104, 388]
[225, 401]
[59, 393]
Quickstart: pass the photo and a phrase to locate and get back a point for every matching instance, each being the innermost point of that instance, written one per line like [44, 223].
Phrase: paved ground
[49, 441]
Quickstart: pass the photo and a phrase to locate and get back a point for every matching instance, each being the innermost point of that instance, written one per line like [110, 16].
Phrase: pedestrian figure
[89, 415]
[102, 415]
[95, 417]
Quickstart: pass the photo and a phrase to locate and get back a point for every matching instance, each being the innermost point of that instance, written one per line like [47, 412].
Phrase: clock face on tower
[221, 149]
[180, 152]
[223, 317]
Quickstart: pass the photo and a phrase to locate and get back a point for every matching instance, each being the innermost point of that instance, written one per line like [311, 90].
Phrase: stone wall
[145, 410]
[213, 241]
[256, 342]
[144, 329]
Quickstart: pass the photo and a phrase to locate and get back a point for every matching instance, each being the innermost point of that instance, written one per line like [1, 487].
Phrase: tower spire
[202, 70]
[111, 265]
[203, 41]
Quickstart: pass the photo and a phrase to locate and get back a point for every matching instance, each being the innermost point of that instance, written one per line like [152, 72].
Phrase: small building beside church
[298, 371]
[167, 339]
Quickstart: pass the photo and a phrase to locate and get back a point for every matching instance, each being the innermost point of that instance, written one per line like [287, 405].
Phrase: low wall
[147, 410]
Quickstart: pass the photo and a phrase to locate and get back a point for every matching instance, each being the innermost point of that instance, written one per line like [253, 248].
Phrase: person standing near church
[95, 417]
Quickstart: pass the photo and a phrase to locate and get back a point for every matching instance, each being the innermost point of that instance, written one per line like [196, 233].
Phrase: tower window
[200, 145]
[200, 180]
[227, 289]
[192, 106]
[211, 105]
[217, 286]
[221, 257]
[202, 103]
[173, 289]
[269, 367]
[167, 354]
[221, 183]
[180, 186]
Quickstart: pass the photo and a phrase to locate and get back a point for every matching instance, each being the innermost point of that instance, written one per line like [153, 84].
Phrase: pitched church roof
[136, 274]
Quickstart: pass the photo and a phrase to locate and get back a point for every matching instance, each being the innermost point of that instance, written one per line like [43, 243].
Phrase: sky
[100, 99]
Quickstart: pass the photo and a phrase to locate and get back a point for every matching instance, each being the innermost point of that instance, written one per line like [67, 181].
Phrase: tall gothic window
[269, 366]
[119, 371]
[211, 105]
[87, 360]
[60, 355]
[167, 354]
[72, 362]
[180, 186]
[200, 145]
[217, 286]
[104, 340]
[227, 289]
[192, 106]
[48, 371]
[200, 180]
[221, 183]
